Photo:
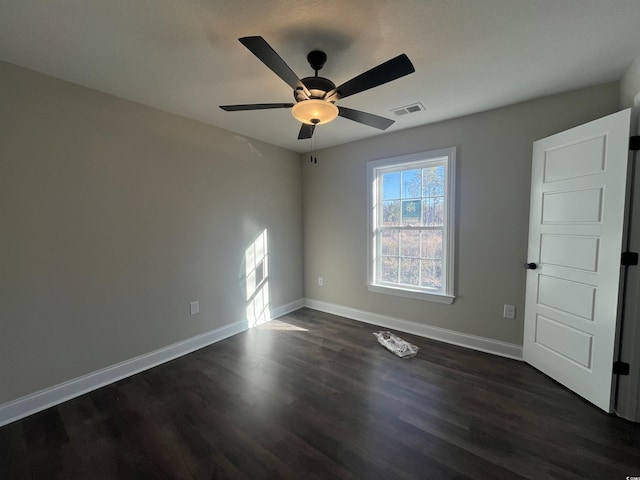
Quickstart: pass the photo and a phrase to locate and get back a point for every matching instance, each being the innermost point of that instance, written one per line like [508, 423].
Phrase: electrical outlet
[321, 281]
[194, 307]
[509, 312]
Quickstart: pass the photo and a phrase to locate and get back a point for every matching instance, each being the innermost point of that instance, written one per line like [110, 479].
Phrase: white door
[575, 241]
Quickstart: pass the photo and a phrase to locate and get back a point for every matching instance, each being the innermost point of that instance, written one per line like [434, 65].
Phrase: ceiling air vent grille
[413, 108]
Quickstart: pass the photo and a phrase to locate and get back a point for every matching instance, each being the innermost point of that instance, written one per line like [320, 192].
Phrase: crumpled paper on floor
[396, 345]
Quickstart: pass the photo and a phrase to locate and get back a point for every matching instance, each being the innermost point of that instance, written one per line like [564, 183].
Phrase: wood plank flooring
[313, 395]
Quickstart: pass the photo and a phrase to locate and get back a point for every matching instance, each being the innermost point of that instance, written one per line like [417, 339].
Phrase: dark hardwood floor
[313, 395]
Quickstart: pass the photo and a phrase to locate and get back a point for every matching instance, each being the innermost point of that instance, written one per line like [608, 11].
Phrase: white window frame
[375, 168]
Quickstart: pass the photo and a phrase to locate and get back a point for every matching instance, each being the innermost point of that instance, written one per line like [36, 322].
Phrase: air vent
[413, 108]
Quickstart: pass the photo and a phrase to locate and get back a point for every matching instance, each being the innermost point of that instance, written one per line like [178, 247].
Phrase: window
[411, 225]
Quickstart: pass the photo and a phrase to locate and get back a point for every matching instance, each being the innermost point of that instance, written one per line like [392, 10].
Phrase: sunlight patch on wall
[256, 259]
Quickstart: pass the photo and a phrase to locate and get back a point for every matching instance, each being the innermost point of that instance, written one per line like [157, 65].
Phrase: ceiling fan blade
[267, 55]
[366, 118]
[255, 106]
[385, 72]
[306, 131]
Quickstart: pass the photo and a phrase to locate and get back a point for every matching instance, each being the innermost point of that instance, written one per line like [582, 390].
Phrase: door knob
[530, 266]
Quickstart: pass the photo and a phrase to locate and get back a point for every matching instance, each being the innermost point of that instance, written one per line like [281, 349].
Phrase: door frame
[627, 393]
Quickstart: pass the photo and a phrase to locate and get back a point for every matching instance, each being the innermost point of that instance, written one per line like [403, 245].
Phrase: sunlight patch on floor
[280, 325]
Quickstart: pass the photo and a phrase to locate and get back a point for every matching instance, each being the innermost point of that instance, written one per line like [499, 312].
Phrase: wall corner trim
[482, 344]
[49, 397]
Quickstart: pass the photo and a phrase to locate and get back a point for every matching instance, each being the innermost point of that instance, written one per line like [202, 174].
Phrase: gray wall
[630, 86]
[114, 216]
[493, 169]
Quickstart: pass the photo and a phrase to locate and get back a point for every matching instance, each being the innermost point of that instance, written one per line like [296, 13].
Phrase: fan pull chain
[315, 146]
[312, 158]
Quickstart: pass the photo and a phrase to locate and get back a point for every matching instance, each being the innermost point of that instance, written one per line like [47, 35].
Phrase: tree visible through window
[411, 221]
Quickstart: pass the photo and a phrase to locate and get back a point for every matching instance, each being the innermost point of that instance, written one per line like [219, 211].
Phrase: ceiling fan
[316, 96]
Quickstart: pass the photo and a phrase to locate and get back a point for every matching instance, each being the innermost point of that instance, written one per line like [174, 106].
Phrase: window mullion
[410, 227]
[399, 257]
[420, 258]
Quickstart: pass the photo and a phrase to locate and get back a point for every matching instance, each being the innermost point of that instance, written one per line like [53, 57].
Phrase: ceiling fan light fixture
[314, 111]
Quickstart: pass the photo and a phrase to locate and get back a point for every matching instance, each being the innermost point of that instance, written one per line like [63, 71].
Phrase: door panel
[574, 160]
[567, 296]
[575, 236]
[570, 251]
[571, 343]
[572, 206]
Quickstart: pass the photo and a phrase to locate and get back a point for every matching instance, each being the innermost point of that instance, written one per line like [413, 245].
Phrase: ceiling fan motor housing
[311, 108]
[317, 86]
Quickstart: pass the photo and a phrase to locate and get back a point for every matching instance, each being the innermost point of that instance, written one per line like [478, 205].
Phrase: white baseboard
[35, 402]
[483, 344]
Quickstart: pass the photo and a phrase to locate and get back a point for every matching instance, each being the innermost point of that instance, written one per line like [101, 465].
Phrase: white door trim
[628, 398]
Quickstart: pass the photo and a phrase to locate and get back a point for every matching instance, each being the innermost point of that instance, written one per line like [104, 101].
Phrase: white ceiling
[183, 56]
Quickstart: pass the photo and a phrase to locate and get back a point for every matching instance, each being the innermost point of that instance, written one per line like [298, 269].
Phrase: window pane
[431, 243]
[411, 183]
[391, 213]
[411, 212]
[431, 274]
[433, 212]
[391, 186]
[433, 181]
[409, 271]
[389, 242]
[389, 269]
[410, 243]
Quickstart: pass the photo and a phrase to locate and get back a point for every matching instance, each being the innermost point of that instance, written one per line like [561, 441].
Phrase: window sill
[429, 297]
